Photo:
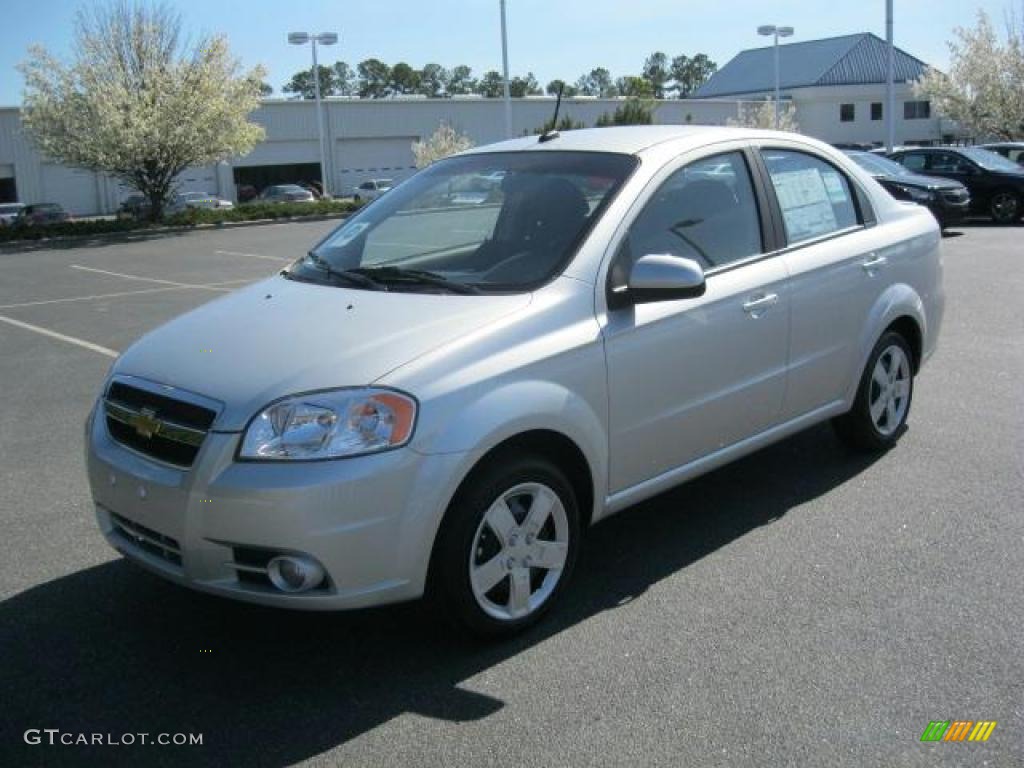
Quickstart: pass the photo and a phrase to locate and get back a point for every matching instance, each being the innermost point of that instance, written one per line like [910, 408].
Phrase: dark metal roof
[847, 60]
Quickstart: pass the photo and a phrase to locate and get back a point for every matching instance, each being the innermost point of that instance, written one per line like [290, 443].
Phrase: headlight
[330, 425]
[919, 195]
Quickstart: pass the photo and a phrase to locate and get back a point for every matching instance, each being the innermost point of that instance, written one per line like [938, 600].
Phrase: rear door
[837, 268]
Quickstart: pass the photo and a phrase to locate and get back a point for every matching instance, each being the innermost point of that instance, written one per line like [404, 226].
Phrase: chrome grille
[162, 427]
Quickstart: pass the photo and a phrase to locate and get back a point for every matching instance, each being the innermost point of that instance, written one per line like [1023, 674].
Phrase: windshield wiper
[350, 276]
[400, 274]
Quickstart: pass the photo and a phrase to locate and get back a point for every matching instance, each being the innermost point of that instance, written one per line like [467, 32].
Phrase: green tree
[345, 80]
[567, 90]
[374, 79]
[634, 87]
[137, 102]
[433, 80]
[491, 85]
[633, 112]
[461, 81]
[656, 73]
[689, 74]
[301, 84]
[404, 79]
[597, 82]
[565, 123]
[524, 86]
[266, 89]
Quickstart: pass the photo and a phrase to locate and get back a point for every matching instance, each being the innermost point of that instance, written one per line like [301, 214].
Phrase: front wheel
[507, 546]
[883, 397]
[1004, 207]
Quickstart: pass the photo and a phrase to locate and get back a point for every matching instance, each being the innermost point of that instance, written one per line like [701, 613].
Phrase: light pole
[769, 30]
[504, 65]
[890, 91]
[324, 38]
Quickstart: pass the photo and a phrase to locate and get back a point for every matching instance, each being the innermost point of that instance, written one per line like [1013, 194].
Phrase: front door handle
[874, 263]
[757, 305]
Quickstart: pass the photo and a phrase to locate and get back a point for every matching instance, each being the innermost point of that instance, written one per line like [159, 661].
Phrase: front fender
[898, 300]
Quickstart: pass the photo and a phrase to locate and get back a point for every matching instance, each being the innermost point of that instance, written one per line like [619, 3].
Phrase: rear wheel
[507, 546]
[883, 397]
[1005, 207]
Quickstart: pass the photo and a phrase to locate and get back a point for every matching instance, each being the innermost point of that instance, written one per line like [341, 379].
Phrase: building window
[917, 110]
[846, 113]
[876, 110]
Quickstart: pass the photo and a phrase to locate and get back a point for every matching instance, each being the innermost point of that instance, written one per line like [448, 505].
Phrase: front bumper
[949, 212]
[369, 521]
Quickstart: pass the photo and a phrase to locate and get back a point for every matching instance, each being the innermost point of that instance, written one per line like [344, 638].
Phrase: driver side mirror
[663, 277]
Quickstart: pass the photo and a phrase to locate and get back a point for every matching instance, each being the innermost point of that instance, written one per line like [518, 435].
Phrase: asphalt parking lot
[801, 607]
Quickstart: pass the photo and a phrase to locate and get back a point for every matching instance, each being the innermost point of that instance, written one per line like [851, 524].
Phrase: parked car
[996, 185]
[372, 189]
[1011, 150]
[186, 200]
[134, 207]
[441, 399]
[948, 200]
[40, 214]
[286, 193]
[9, 212]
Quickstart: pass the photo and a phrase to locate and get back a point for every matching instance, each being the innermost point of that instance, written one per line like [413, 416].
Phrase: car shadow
[111, 649]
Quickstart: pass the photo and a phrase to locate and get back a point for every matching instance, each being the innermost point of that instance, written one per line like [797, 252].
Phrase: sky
[551, 38]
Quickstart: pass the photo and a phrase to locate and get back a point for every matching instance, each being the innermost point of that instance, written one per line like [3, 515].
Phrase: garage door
[73, 188]
[358, 160]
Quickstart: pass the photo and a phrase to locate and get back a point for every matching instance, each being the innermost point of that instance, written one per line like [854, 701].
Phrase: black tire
[857, 428]
[450, 587]
[1004, 206]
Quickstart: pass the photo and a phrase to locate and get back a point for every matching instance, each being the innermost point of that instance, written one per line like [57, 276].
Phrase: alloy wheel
[519, 551]
[1004, 207]
[889, 395]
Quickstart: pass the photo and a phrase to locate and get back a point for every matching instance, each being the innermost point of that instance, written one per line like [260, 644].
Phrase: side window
[814, 196]
[705, 211]
[947, 162]
[915, 161]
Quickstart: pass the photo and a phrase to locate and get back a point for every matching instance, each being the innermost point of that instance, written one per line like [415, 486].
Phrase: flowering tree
[984, 90]
[136, 102]
[762, 115]
[445, 141]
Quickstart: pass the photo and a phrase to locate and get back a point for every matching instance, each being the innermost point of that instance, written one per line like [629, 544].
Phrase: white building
[838, 88]
[828, 80]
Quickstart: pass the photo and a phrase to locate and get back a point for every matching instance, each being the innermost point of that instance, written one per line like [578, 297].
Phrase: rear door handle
[874, 263]
[758, 304]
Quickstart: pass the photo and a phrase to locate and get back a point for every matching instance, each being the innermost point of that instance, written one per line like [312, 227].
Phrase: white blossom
[444, 142]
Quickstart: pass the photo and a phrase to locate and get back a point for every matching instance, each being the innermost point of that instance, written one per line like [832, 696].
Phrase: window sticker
[806, 204]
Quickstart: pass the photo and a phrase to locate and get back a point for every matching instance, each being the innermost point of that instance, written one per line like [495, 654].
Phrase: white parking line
[60, 336]
[253, 255]
[147, 279]
[90, 298]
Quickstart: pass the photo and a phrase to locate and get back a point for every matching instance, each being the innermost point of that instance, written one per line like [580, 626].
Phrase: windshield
[990, 161]
[495, 222]
[878, 165]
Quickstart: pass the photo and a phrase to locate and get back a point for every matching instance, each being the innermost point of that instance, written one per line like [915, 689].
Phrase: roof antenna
[553, 132]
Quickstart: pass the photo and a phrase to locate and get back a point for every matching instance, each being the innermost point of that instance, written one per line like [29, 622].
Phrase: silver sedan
[445, 393]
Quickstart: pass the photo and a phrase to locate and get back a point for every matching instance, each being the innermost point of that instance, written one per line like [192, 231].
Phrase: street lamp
[506, 90]
[324, 38]
[768, 30]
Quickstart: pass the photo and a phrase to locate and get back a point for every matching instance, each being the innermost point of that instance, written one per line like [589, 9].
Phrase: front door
[688, 377]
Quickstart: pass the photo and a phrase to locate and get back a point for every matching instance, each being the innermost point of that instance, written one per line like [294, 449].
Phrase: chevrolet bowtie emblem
[145, 423]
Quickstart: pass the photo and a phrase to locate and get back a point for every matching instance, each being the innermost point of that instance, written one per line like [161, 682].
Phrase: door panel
[689, 377]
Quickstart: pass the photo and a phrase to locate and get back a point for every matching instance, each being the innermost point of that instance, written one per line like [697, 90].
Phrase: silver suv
[443, 394]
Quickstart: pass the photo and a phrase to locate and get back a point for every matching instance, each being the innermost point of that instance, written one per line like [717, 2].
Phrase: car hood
[279, 337]
[927, 182]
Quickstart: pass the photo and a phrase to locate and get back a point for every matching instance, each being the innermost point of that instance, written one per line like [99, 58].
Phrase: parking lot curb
[19, 246]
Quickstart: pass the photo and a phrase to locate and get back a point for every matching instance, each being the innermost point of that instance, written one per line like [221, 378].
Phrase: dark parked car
[948, 200]
[9, 213]
[286, 193]
[995, 183]
[134, 207]
[1011, 150]
[39, 214]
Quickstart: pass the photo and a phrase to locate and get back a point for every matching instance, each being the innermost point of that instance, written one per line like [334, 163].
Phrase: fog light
[290, 573]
